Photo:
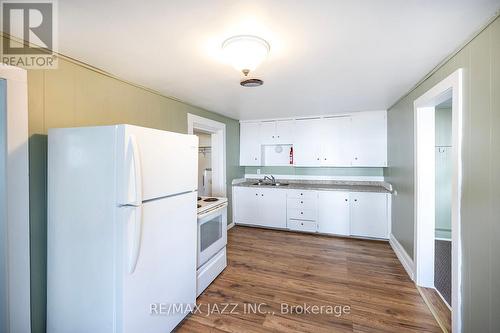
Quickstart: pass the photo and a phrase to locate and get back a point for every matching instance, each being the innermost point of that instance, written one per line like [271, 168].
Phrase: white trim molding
[218, 132]
[14, 221]
[424, 219]
[403, 256]
[230, 225]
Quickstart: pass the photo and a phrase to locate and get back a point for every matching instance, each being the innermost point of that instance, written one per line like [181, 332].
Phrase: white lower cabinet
[369, 214]
[359, 214]
[261, 207]
[333, 213]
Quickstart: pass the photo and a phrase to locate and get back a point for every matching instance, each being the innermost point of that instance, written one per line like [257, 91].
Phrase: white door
[336, 149]
[157, 162]
[307, 142]
[369, 214]
[268, 132]
[250, 146]
[369, 139]
[284, 131]
[246, 205]
[272, 208]
[165, 270]
[333, 212]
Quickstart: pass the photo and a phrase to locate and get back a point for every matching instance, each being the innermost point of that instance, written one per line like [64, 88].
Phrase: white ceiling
[326, 56]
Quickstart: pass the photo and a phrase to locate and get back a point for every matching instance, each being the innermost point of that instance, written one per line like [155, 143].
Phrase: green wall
[290, 170]
[480, 212]
[74, 95]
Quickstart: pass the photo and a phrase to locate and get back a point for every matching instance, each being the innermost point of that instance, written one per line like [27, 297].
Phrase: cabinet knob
[325, 159]
[301, 193]
[262, 195]
[356, 158]
[301, 213]
[256, 193]
[273, 136]
[318, 158]
[345, 199]
[255, 158]
[302, 202]
[355, 199]
[301, 223]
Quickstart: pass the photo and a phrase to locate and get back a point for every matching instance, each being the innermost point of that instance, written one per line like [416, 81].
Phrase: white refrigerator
[122, 229]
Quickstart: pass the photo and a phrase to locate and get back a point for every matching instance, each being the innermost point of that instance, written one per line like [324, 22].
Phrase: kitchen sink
[270, 184]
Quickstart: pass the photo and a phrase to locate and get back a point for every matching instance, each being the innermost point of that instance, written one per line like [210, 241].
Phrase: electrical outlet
[258, 171]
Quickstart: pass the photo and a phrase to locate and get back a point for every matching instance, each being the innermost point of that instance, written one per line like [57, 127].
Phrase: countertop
[345, 186]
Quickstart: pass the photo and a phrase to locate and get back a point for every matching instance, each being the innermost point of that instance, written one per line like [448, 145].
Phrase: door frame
[218, 132]
[15, 222]
[424, 168]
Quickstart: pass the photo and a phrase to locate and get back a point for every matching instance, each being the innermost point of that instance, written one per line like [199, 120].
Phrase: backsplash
[297, 171]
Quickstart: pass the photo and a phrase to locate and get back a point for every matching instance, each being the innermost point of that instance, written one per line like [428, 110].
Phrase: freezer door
[156, 291]
[154, 164]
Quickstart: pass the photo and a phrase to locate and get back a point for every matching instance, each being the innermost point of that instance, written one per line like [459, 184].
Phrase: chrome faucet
[272, 179]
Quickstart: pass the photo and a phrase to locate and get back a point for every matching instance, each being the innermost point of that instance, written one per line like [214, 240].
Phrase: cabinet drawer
[302, 214]
[301, 225]
[304, 203]
[299, 194]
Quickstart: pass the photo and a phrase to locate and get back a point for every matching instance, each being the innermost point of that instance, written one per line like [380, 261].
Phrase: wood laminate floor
[358, 285]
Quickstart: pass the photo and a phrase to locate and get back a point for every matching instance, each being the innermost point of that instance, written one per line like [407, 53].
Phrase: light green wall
[443, 172]
[480, 213]
[74, 95]
[290, 170]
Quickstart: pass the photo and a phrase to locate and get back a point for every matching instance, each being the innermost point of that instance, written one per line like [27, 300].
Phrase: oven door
[212, 233]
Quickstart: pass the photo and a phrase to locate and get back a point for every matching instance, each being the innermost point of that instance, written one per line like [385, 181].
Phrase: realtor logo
[29, 34]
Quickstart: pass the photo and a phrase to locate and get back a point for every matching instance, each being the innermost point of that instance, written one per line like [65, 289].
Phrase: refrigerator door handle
[134, 234]
[136, 159]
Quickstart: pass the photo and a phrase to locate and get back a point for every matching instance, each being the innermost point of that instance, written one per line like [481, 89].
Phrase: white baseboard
[229, 226]
[403, 256]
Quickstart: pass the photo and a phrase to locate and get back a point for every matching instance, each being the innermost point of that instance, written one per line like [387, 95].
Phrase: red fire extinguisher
[291, 155]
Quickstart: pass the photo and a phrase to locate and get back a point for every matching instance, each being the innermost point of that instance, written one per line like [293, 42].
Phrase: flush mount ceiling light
[245, 53]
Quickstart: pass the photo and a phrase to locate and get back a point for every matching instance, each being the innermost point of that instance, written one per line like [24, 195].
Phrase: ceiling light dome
[245, 52]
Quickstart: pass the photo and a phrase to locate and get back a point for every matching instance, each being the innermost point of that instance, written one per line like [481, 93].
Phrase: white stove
[212, 240]
[206, 204]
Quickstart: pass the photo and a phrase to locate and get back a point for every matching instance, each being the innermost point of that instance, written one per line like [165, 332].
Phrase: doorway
[211, 155]
[438, 139]
[204, 163]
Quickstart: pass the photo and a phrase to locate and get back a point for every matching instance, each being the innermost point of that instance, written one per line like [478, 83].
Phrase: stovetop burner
[199, 198]
[210, 199]
[198, 206]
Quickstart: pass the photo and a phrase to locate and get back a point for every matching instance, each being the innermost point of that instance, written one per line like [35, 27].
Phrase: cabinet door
[250, 146]
[307, 144]
[369, 214]
[333, 212]
[268, 132]
[246, 205]
[335, 142]
[284, 131]
[272, 208]
[369, 139]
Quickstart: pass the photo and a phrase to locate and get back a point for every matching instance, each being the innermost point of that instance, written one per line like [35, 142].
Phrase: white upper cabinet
[357, 139]
[335, 139]
[250, 144]
[276, 132]
[307, 143]
[369, 139]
